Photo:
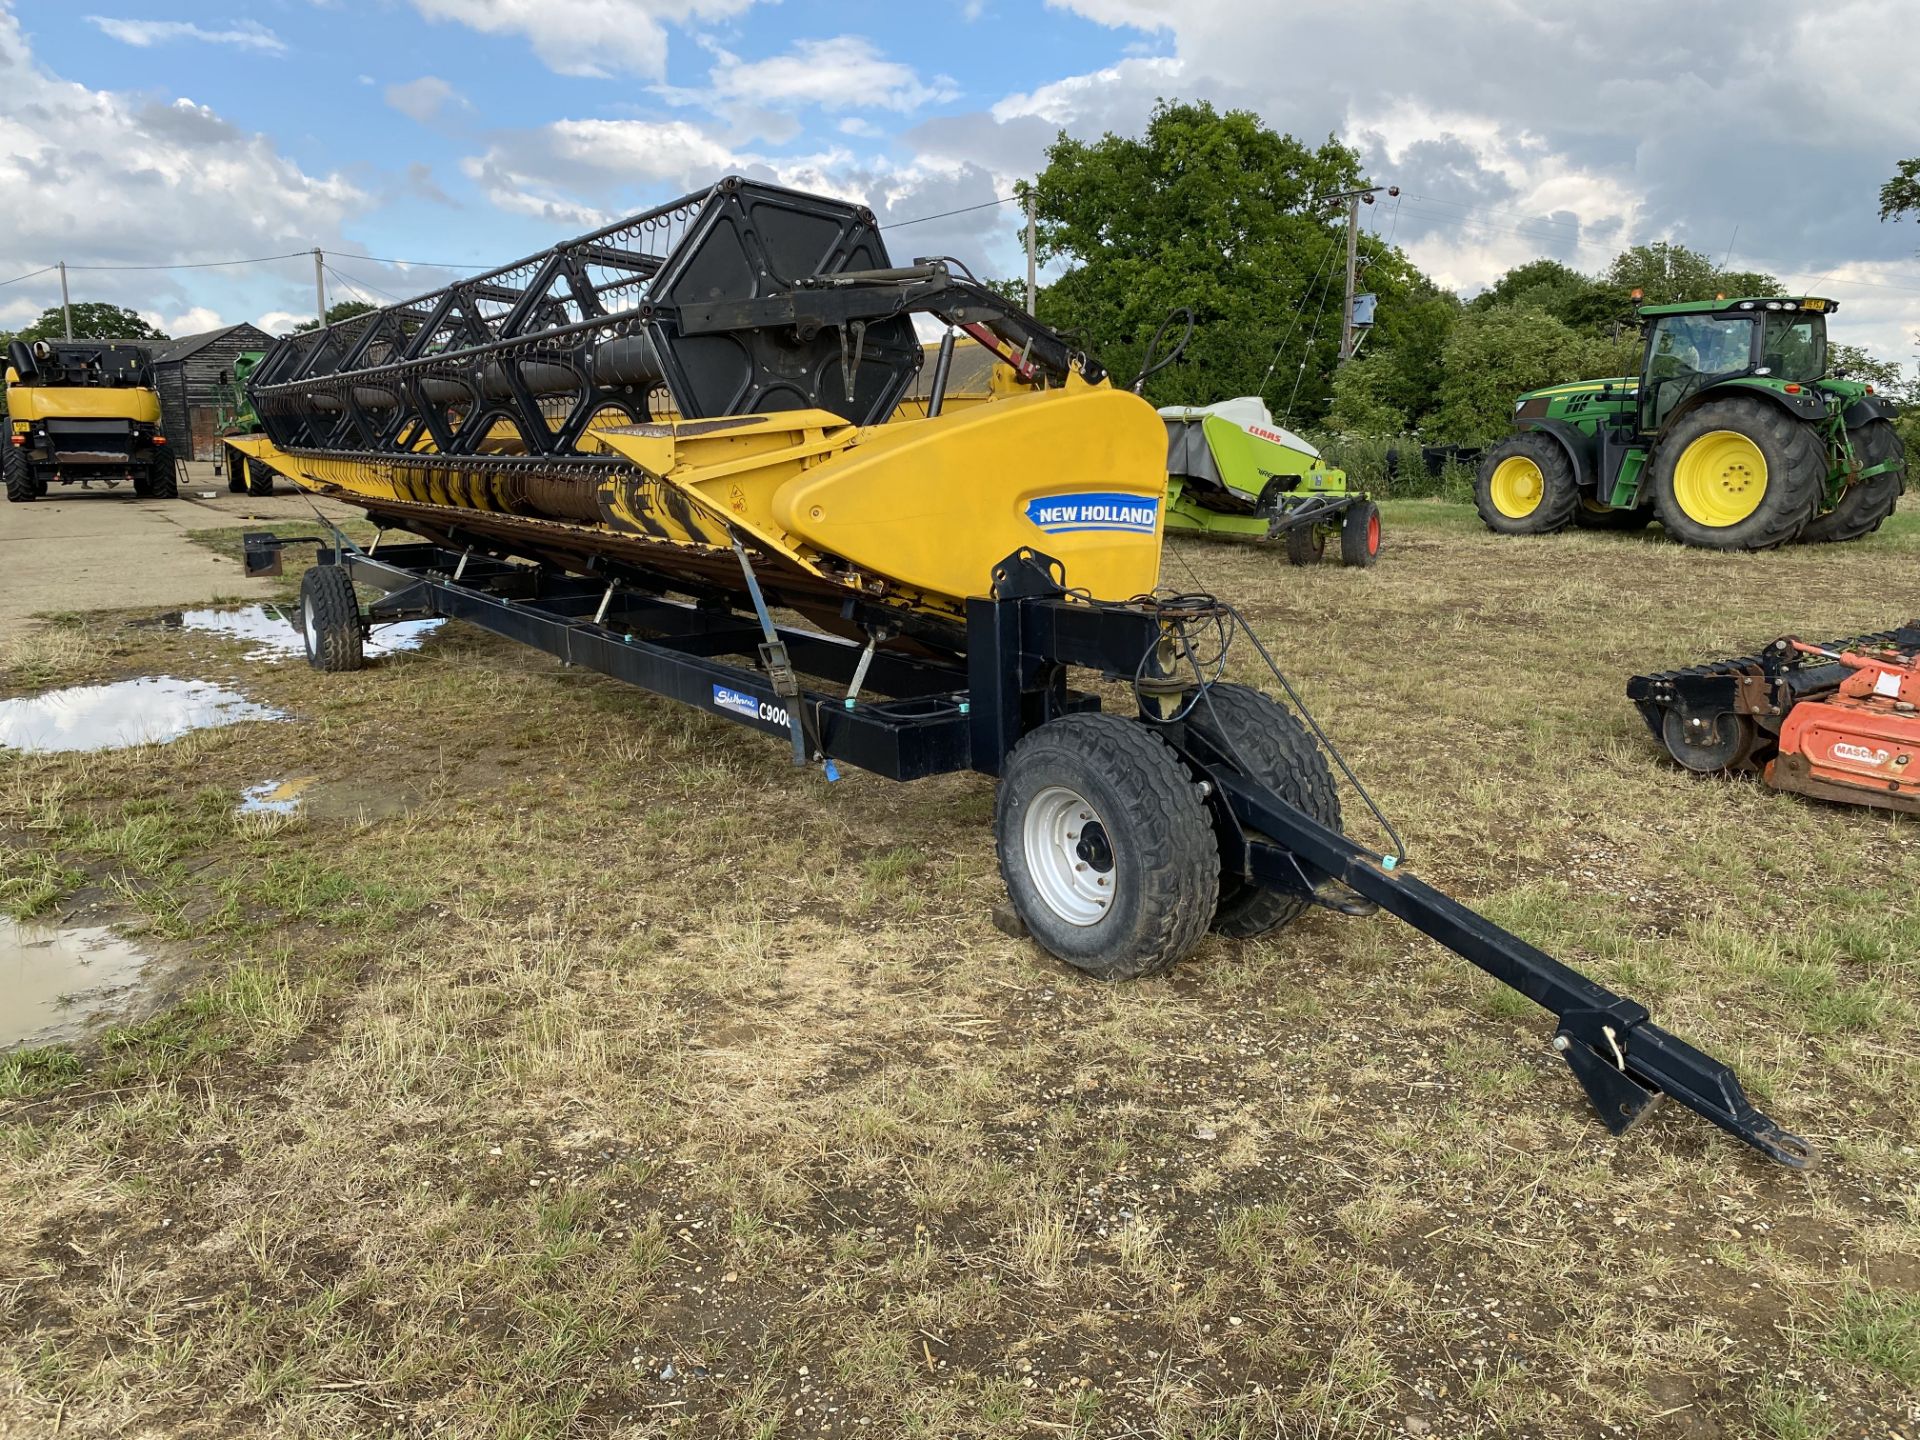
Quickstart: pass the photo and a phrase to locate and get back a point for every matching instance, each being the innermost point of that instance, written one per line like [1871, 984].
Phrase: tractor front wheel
[1268, 743]
[1866, 502]
[1738, 473]
[330, 620]
[1360, 534]
[21, 486]
[1105, 846]
[1526, 486]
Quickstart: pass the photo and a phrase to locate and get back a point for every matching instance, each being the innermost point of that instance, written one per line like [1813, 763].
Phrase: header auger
[629, 450]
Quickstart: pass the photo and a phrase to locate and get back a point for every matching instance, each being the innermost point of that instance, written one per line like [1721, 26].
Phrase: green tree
[1495, 355]
[1220, 214]
[1900, 196]
[1666, 273]
[92, 320]
[336, 312]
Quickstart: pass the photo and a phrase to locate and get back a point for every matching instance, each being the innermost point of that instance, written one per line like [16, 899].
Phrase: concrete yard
[103, 549]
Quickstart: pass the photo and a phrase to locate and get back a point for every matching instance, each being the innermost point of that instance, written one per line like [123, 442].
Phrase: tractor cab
[1701, 344]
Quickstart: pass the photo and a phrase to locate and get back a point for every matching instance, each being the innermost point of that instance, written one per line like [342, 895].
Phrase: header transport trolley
[648, 450]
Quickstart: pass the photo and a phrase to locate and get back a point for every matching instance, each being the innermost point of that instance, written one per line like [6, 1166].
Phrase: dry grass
[575, 1067]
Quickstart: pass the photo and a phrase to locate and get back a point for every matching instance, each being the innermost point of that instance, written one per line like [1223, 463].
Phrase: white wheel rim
[313, 630]
[1067, 844]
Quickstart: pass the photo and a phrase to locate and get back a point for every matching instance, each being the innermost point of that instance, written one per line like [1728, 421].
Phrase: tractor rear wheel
[330, 620]
[21, 486]
[1273, 747]
[259, 478]
[1306, 544]
[1738, 473]
[1360, 534]
[1866, 502]
[1526, 486]
[162, 478]
[1105, 846]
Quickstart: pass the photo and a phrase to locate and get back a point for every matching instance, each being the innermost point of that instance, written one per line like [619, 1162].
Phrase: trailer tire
[259, 478]
[1866, 504]
[21, 484]
[162, 476]
[1306, 544]
[1705, 466]
[1121, 796]
[1274, 748]
[1526, 485]
[236, 472]
[330, 620]
[1360, 534]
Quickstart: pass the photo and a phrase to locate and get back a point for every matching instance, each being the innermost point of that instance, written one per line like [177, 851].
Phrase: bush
[1364, 458]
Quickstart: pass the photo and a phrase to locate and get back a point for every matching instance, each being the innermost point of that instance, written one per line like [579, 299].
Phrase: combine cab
[635, 450]
[1233, 472]
[84, 412]
[1732, 436]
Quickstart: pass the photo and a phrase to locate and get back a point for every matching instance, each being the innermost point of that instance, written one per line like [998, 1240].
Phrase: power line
[198, 264]
[366, 289]
[29, 275]
[963, 210]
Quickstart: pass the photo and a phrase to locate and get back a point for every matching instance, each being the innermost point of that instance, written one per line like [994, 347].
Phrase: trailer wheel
[236, 472]
[1274, 748]
[259, 478]
[1707, 745]
[1526, 485]
[1105, 846]
[21, 484]
[162, 476]
[1360, 534]
[330, 620]
[1305, 545]
[1866, 504]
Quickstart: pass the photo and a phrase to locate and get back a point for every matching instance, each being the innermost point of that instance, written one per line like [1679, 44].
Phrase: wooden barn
[187, 373]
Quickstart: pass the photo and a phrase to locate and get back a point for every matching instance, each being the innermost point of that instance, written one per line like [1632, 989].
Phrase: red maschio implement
[1840, 722]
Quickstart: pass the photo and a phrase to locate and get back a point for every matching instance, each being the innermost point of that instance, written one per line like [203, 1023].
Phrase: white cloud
[280, 322]
[424, 99]
[201, 188]
[845, 72]
[195, 320]
[246, 34]
[590, 38]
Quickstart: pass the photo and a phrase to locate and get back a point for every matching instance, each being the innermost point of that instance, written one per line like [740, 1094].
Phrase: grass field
[576, 1067]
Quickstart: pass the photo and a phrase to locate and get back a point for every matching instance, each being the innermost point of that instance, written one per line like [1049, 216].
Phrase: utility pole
[1353, 271]
[1033, 269]
[66, 305]
[320, 287]
[1354, 200]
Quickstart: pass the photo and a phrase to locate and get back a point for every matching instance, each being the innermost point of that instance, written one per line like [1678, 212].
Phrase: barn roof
[189, 345]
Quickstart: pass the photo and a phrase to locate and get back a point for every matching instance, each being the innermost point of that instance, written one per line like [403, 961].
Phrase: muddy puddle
[271, 632]
[275, 797]
[148, 711]
[56, 982]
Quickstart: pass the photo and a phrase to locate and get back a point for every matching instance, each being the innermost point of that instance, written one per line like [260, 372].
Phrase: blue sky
[472, 131]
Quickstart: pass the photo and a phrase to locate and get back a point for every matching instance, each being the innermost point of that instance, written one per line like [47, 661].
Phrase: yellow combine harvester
[638, 448]
[84, 412]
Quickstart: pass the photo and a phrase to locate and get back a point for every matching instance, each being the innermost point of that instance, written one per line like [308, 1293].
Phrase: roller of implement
[737, 366]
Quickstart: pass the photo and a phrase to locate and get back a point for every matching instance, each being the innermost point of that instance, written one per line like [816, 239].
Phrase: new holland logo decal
[1065, 514]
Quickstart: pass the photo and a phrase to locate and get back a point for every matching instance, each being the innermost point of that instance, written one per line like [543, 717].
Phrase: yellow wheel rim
[1516, 487]
[1720, 479]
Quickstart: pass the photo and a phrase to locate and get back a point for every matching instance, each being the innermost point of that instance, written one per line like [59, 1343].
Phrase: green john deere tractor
[234, 416]
[1732, 436]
